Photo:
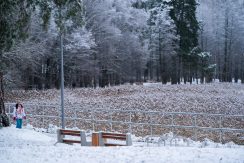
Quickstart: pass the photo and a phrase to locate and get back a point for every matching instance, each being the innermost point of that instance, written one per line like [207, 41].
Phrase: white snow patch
[27, 145]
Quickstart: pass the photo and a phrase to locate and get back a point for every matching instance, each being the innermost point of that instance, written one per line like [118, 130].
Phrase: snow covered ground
[26, 145]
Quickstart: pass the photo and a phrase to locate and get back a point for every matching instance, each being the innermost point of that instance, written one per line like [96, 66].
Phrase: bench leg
[59, 136]
[95, 139]
[128, 139]
[101, 141]
[83, 138]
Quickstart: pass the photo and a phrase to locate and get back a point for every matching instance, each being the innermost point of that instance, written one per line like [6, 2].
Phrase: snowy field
[223, 98]
[29, 146]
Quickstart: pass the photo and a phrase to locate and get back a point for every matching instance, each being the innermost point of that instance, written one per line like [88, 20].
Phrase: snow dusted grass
[217, 98]
[28, 146]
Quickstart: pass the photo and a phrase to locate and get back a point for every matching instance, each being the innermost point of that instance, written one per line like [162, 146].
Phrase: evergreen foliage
[14, 21]
[184, 15]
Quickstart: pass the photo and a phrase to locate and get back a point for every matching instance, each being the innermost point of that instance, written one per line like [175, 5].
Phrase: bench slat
[110, 144]
[72, 134]
[113, 137]
[73, 131]
[114, 134]
[69, 132]
[71, 141]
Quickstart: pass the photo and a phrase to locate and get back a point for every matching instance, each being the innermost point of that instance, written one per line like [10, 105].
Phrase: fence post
[34, 117]
[9, 113]
[195, 129]
[220, 126]
[110, 121]
[150, 115]
[130, 124]
[172, 123]
[93, 119]
[9, 109]
[43, 117]
[75, 118]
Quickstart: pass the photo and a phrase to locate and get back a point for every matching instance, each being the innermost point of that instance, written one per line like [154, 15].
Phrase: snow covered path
[29, 146]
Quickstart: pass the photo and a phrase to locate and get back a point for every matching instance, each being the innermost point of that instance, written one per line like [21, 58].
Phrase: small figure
[18, 115]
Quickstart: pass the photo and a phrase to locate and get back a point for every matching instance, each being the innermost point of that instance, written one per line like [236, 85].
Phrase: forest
[111, 42]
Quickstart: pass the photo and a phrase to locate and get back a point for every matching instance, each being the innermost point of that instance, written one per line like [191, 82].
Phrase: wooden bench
[61, 137]
[102, 139]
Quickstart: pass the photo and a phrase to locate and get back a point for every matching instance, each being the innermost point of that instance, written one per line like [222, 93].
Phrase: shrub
[4, 120]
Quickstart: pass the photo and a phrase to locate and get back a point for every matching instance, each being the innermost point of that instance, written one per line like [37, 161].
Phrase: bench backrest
[62, 132]
[113, 136]
[70, 132]
[103, 138]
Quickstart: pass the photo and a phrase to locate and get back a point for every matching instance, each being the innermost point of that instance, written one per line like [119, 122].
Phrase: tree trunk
[242, 70]
[2, 107]
[226, 68]
[163, 71]
[151, 76]
[174, 70]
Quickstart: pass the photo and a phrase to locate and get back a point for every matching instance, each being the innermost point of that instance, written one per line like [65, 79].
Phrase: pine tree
[14, 20]
[184, 15]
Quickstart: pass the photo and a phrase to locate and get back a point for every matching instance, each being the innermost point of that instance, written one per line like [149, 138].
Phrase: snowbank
[27, 145]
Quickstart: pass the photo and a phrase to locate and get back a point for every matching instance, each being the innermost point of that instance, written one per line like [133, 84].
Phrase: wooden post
[95, 139]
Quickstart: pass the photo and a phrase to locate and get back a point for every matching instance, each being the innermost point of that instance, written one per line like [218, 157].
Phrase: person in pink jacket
[19, 114]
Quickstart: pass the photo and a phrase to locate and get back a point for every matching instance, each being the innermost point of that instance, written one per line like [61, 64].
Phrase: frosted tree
[116, 27]
[163, 41]
[162, 37]
[80, 68]
[222, 28]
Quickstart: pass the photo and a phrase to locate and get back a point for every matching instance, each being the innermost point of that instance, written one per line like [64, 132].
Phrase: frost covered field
[28, 146]
[225, 98]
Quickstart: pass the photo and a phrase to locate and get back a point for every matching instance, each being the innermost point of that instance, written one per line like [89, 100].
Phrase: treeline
[116, 42]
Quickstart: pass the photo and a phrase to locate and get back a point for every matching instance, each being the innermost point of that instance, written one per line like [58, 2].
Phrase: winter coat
[19, 113]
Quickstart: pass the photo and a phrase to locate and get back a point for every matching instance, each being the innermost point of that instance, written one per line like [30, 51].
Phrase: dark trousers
[18, 123]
